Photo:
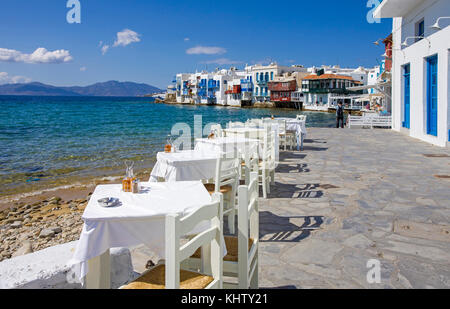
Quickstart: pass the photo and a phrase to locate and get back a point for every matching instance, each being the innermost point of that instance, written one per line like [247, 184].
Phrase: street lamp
[436, 25]
[405, 43]
[377, 42]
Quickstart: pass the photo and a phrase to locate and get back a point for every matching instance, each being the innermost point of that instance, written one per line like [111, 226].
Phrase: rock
[56, 229]
[47, 233]
[54, 201]
[16, 225]
[26, 248]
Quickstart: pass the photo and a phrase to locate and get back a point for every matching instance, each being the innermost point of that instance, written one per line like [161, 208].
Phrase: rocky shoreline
[25, 228]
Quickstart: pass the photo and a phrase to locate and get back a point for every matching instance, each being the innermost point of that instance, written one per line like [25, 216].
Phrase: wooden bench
[370, 121]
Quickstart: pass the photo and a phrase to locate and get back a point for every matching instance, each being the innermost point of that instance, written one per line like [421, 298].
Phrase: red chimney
[388, 47]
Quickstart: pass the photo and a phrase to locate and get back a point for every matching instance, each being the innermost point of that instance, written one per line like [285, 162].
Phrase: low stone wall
[47, 269]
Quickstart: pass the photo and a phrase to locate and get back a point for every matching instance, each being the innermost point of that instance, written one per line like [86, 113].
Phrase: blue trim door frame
[432, 95]
[407, 96]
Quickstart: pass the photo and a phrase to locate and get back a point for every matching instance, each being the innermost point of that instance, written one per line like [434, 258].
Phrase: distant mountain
[107, 89]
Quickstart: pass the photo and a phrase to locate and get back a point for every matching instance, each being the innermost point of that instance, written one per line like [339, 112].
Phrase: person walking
[340, 116]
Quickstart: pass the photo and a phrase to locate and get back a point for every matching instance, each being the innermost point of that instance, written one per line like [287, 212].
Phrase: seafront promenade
[349, 197]
[352, 196]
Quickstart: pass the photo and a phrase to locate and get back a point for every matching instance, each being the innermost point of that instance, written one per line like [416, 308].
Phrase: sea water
[53, 141]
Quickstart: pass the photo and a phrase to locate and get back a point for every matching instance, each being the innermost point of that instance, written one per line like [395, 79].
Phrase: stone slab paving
[352, 196]
[349, 197]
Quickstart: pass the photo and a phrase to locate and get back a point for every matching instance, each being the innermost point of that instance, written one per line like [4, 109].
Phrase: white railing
[370, 121]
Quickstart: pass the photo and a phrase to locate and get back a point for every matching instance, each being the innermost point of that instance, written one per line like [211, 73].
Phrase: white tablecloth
[222, 145]
[295, 125]
[186, 165]
[258, 133]
[139, 219]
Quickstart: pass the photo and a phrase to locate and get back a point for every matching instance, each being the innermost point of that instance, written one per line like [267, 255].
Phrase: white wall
[415, 54]
[48, 269]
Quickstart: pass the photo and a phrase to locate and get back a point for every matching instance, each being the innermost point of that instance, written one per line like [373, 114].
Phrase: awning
[363, 99]
[376, 86]
[395, 8]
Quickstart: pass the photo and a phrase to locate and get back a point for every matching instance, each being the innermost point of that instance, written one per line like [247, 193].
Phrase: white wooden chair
[284, 139]
[267, 162]
[248, 159]
[169, 275]
[241, 260]
[226, 181]
[217, 130]
[250, 164]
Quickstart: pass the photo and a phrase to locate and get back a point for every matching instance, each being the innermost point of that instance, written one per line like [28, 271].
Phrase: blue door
[432, 95]
[407, 96]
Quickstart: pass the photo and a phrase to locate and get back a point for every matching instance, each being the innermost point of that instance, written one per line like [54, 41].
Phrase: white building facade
[263, 74]
[420, 70]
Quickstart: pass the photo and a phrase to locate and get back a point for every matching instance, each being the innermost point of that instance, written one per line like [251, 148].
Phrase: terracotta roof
[327, 76]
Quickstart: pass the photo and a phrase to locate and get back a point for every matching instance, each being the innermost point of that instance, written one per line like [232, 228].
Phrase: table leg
[99, 274]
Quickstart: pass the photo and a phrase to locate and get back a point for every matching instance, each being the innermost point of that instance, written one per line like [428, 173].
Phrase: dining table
[136, 219]
[256, 132]
[297, 126]
[226, 145]
[186, 165]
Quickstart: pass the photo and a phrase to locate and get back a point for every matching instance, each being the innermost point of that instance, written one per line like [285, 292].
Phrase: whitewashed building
[420, 71]
[263, 74]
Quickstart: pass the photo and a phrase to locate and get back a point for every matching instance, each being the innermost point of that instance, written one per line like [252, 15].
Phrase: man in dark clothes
[340, 116]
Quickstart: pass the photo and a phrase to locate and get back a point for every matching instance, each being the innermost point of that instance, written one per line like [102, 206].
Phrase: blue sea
[53, 141]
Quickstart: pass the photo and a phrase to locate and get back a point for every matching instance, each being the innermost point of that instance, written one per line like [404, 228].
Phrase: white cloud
[105, 48]
[187, 39]
[5, 78]
[222, 61]
[83, 69]
[40, 55]
[126, 37]
[206, 50]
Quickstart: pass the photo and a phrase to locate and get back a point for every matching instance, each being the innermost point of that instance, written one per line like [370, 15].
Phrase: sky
[149, 41]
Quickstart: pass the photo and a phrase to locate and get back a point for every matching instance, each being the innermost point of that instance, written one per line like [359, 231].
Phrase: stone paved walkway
[352, 196]
[349, 197]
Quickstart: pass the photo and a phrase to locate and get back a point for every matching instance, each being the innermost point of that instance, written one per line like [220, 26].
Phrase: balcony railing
[262, 82]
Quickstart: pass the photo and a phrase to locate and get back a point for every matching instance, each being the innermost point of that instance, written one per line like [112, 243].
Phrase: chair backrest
[227, 170]
[268, 153]
[177, 227]
[251, 160]
[248, 228]
[282, 125]
[217, 130]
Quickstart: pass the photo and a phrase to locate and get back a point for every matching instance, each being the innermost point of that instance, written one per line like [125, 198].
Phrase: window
[406, 96]
[420, 30]
[271, 75]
